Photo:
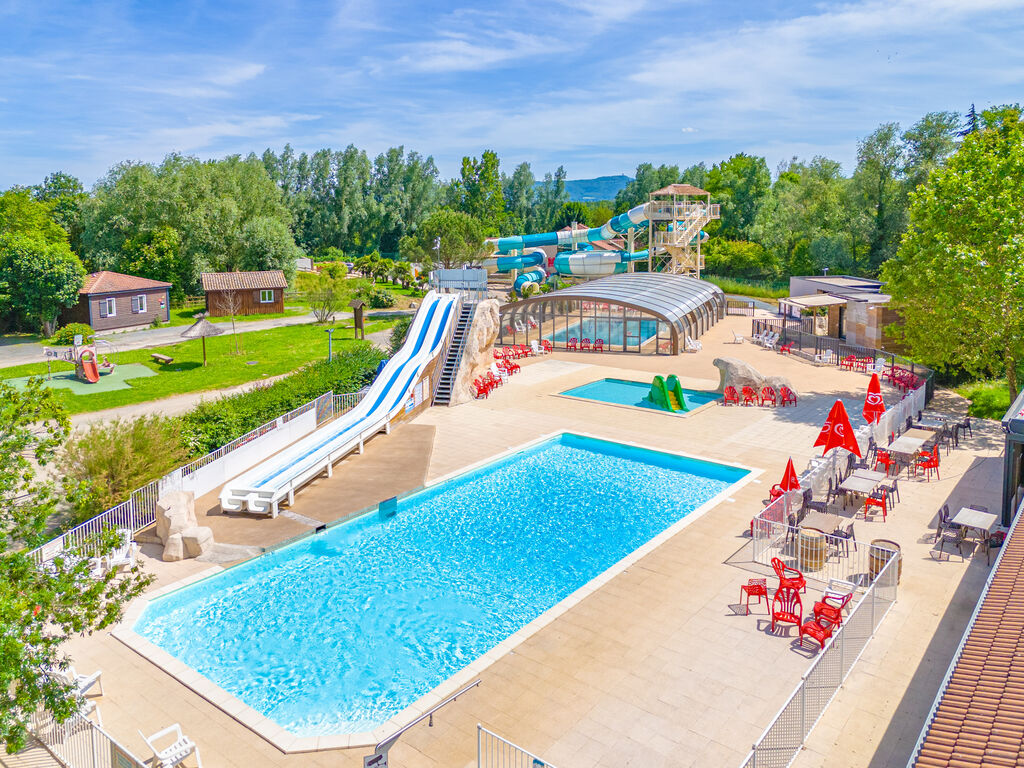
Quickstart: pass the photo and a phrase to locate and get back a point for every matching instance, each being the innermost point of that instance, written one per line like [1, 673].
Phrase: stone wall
[478, 353]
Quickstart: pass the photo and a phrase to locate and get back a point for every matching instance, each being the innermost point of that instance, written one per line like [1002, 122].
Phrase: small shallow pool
[342, 630]
[634, 393]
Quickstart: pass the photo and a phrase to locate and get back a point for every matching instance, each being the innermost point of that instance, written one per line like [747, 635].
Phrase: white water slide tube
[261, 488]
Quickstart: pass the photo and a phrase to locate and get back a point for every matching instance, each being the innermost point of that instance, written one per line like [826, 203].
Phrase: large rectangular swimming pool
[342, 630]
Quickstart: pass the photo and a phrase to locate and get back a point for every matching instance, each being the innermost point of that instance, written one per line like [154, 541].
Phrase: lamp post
[330, 342]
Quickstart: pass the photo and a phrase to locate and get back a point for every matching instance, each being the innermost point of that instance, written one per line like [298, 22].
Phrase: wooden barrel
[811, 548]
[879, 555]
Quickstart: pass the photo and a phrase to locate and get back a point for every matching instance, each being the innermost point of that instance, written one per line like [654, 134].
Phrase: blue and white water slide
[261, 488]
[585, 262]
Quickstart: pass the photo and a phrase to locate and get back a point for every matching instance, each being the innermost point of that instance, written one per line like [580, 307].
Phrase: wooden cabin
[244, 293]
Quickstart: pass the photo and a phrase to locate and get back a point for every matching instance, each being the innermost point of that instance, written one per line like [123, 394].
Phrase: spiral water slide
[261, 488]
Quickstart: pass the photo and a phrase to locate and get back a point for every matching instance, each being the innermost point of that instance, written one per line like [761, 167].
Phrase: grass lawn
[989, 399]
[262, 354]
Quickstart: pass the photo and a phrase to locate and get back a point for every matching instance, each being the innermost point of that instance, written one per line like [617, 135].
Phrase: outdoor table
[822, 521]
[934, 424]
[910, 442]
[975, 519]
[869, 474]
[861, 485]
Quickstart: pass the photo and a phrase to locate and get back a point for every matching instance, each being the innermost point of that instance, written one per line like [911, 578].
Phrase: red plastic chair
[928, 463]
[848, 362]
[754, 588]
[572, 343]
[480, 389]
[786, 607]
[749, 396]
[885, 459]
[832, 607]
[585, 344]
[786, 349]
[775, 492]
[768, 396]
[820, 628]
[880, 500]
[729, 395]
[788, 575]
[547, 345]
[786, 395]
[599, 345]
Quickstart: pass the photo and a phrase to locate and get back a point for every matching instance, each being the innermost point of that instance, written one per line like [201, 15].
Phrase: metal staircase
[450, 368]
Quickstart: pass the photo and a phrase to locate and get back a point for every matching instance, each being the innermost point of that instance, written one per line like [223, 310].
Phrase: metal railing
[492, 751]
[80, 743]
[785, 735]
[808, 345]
[139, 511]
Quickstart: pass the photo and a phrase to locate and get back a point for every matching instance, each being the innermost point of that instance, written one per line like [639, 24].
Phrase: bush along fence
[202, 475]
[809, 345]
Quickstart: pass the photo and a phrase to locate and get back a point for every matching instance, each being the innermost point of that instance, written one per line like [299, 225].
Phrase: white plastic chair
[82, 683]
[125, 553]
[736, 338]
[499, 372]
[175, 754]
[693, 346]
[537, 349]
[771, 340]
[827, 357]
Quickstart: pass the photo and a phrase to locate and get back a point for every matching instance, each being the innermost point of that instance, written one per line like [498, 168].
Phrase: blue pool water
[623, 392]
[614, 332]
[342, 630]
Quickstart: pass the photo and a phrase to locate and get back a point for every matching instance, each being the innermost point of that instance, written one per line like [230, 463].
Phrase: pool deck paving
[656, 666]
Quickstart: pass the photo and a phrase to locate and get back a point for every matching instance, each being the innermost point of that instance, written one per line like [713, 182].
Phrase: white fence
[784, 737]
[202, 475]
[81, 743]
[492, 751]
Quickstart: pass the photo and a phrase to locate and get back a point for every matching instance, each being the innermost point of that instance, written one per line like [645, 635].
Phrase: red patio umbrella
[837, 432]
[874, 406]
[790, 482]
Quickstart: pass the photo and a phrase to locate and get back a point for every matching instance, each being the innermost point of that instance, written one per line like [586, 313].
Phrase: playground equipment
[263, 487]
[674, 218]
[88, 365]
[667, 394]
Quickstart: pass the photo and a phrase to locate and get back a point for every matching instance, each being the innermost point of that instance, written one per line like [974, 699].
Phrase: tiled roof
[243, 281]
[979, 716]
[680, 189]
[115, 282]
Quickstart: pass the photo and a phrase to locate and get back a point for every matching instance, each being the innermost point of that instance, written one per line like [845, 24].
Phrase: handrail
[380, 752]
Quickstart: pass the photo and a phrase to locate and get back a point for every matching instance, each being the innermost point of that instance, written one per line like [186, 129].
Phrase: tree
[267, 243]
[971, 122]
[738, 258]
[41, 279]
[519, 197]
[227, 304]
[326, 295]
[881, 159]
[20, 214]
[401, 271]
[928, 143]
[600, 214]
[570, 213]
[956, 278]
[647, 179]
[740, 184]
[478, 192]
[41, 609]
[156, 254]
[456, 237]
[64, 195]
[550, 196]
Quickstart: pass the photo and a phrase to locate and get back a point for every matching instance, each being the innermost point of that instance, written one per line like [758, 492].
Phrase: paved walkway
[656, 667]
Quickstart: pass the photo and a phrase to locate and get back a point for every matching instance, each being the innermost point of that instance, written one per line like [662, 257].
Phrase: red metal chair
[572, 343]
[877, 499]
[788, 575]
[729, 395]
[786, 395]
[786, 607]
[599, 345]
[749, 396]
[754, 588]
[585, 344]
[768, 396]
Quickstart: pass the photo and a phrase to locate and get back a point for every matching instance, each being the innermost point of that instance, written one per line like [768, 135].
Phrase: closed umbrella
[790, 482]
[837, 432]
[201, 329]
[874, 406]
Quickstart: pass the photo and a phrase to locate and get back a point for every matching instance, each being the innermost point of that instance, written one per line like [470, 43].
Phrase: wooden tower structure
[676, 217]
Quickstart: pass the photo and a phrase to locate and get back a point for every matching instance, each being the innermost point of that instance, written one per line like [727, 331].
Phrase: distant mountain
[601, 188]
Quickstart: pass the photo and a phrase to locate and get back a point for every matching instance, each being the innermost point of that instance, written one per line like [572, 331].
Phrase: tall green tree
[740, 184]
[646, 179]
[958, 278]
[881, 158]
[929, 142]
[65, 195]
[449, 238]
[573, 212]
[478, 191]
[41, 609]
[519, 197]
[550, 196]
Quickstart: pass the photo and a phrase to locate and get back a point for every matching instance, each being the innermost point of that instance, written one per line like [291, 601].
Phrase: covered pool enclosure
[643, 312]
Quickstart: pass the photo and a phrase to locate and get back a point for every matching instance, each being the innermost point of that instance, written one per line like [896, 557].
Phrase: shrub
[104, 463]
[379, 298]
[212, 424]
[398, 333]
[66, 335]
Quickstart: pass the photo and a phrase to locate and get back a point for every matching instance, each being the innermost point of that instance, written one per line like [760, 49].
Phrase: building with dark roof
[109, 301]
[244, 293]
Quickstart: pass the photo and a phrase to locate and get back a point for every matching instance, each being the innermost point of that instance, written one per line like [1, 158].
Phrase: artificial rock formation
[739, 374]
[478, 353]
[177, 526]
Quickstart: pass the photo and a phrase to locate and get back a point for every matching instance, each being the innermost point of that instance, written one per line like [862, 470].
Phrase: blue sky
[595, 85]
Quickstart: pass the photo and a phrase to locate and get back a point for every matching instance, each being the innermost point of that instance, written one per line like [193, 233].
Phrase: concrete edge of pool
[289, 743]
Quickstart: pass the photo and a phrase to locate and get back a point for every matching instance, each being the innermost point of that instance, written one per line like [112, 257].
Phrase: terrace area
[656, 664]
